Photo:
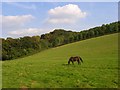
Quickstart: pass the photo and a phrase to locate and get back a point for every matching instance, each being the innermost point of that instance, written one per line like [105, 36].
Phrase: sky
[35, 18]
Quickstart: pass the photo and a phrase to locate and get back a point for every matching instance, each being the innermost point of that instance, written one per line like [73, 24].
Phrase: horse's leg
[78, 61]
[73, 62]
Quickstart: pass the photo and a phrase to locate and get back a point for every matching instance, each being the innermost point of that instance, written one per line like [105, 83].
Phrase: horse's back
[75, 58]
[71, 58]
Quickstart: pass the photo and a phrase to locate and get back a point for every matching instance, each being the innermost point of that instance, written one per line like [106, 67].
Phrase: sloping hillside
[24, 46]
[49, 68]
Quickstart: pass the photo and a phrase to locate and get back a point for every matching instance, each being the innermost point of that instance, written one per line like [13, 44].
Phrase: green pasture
[49, 68]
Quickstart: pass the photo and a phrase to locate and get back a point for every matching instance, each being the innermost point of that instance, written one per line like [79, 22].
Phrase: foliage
[14, 48]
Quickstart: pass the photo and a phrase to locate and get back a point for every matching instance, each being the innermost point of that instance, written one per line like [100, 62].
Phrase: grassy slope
[49, 68]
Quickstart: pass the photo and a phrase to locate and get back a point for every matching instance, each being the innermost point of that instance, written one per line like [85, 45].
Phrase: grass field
[49, 69]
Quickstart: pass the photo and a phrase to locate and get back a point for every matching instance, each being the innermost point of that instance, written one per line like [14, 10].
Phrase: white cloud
[27, 32]
[70, 13]
[15, 22]
[14, 25]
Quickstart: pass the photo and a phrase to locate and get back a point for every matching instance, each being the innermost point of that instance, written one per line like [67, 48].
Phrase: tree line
[20, 47]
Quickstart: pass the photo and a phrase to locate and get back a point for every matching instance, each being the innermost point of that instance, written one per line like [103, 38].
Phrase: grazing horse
[76, 58]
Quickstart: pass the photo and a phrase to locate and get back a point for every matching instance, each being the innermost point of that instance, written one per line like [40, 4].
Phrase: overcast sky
[28, 19]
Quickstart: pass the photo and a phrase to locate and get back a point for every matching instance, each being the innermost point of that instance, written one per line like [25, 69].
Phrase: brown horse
[76, 58]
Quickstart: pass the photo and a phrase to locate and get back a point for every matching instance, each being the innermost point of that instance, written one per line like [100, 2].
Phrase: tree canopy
[19, 47]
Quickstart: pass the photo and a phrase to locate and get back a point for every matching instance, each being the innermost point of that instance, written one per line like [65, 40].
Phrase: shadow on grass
[65, 64]
[70, 65]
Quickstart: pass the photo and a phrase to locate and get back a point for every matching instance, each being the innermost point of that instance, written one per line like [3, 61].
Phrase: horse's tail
[81, 59]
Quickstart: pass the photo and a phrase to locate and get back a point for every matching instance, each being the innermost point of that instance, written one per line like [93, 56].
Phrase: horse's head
[68, 61]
